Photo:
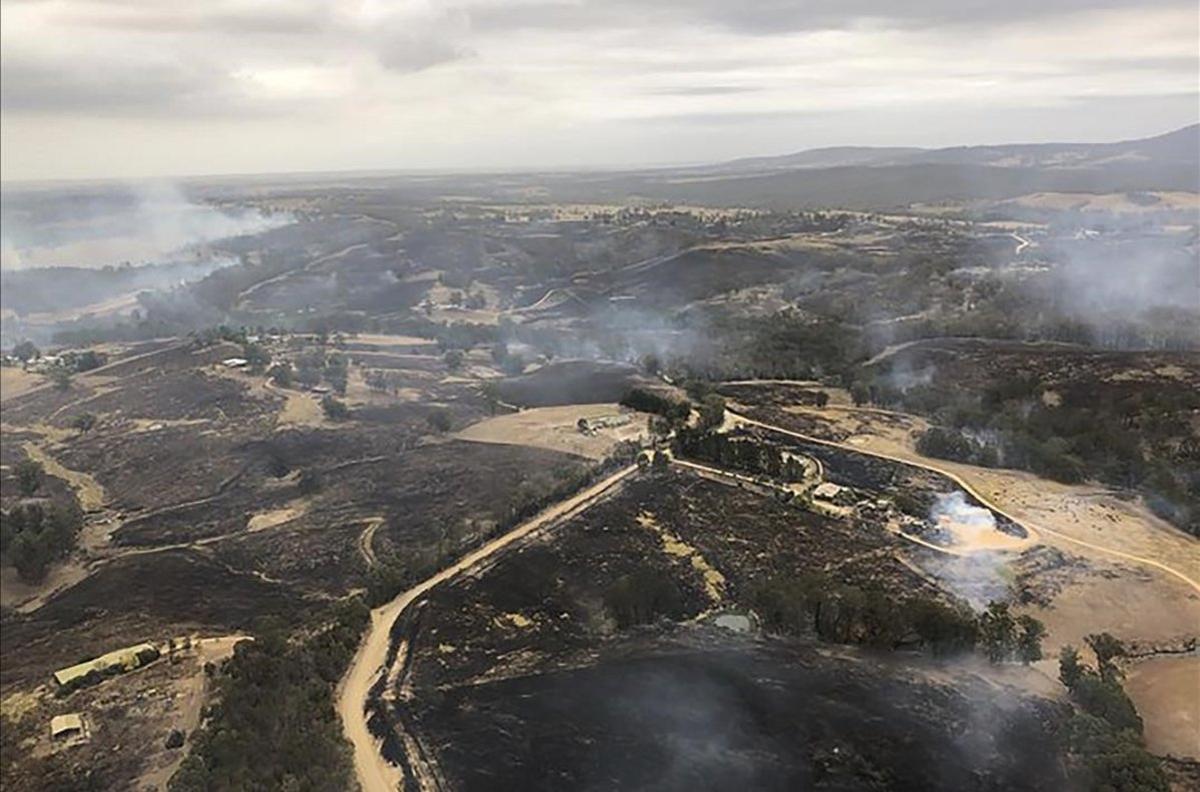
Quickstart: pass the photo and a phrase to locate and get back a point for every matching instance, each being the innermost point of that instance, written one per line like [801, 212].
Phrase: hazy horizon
[129, 90]
[169, 178]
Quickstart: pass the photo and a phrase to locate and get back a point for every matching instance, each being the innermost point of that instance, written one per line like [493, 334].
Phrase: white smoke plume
[97, 227]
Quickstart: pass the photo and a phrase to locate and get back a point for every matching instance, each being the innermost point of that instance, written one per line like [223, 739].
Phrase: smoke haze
[98, 227]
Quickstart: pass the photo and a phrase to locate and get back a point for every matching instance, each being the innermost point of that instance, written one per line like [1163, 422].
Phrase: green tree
[454, 359]
[30, 475]
[281, 375]
[491, 394]
[712, 413]
[83, 422]
[997, 632]
[1030, 633]
[61, 377]
[440, 420]
[643, 597]
[1107, 649]
[1069, 668]
[257, 357]
[25, 351]
[335, 409]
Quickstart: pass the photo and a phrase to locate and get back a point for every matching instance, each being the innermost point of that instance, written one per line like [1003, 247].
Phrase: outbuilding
[67, 728]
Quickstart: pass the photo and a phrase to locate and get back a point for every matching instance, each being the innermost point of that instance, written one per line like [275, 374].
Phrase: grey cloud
[296, 17]
[156, 59]
[407, 45]
[769, 17]
[701, 90]
[414, 53]
[45, 85]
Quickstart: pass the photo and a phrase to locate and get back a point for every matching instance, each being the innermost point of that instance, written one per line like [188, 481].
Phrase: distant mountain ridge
[1179, 146]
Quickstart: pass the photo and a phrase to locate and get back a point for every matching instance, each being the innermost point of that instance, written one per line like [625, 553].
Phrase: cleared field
[1166, 691]
[556, 429]
[15, 381]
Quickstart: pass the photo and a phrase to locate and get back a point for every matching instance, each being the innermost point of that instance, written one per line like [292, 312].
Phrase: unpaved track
[375, 773]
[366, 541]
[1033, 532]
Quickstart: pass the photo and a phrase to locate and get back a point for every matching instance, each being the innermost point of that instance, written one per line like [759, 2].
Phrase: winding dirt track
[1033, 532]
[375, 773]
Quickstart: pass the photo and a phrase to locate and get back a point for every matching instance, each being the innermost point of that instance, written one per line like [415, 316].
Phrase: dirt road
[1021, 241]
[375, 773]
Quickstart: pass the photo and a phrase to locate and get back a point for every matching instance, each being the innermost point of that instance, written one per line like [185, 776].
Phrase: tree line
[274, 725]
[35, 534]
[743, 454]
[843, 613]
[1103, 735]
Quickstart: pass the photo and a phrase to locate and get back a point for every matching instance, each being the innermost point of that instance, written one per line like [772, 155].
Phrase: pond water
[733, 621]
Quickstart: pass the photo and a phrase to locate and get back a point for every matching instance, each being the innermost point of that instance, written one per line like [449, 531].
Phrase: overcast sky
[131, 88]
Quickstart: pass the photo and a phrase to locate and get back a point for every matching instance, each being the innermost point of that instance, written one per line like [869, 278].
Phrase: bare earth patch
[91, 495]
[15, 381]
[555, 428]
[1166, 691]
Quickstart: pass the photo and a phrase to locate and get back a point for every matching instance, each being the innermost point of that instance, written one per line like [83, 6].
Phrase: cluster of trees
[379, 380]
[656, 462]
[643, 597]
[744, 454]
[25, 351]
[274, 725]
[34, 535]
[1104, 734]
[1134, 438]
[842, 613]
[68, 364]
[645, 400]
[509, 362]
[448, 335]
[79, 362]
[334, 408]
[472, 300]
[30, 475]
[787, 345]
[315, 366]
[257, 357]
[209, 336]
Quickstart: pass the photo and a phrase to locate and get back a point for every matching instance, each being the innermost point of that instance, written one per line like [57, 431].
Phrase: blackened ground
[738, 714]
[570, 382]
[140, 598]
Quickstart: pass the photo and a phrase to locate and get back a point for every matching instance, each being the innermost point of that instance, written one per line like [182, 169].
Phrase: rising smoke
[146, 223]
[977, 576]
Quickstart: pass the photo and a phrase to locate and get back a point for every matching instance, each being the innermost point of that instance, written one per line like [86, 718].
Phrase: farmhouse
[590, 426]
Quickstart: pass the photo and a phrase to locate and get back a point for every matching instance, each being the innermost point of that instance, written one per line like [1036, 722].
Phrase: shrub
[440, 420]
[335, 409]
[30, 476]
[643, 597]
